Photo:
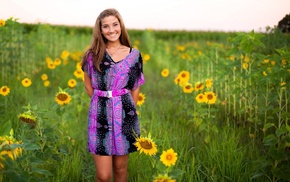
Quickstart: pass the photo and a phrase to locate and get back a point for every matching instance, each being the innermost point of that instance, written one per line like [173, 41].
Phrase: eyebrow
[112, 23]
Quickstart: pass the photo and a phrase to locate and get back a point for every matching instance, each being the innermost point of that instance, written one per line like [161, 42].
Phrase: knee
[120, 169]
[103, 177]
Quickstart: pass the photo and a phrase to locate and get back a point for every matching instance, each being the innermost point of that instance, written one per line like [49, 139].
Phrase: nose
[111, 29]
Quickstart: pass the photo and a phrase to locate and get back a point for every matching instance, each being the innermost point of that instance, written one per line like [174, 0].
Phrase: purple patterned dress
[112, 120]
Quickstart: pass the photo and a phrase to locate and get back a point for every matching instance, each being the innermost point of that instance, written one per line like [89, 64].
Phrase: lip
[112, 35]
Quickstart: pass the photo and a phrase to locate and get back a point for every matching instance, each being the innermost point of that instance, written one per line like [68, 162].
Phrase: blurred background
[208, 15]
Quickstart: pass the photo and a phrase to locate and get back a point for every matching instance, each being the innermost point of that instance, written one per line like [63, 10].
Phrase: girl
[113, 76]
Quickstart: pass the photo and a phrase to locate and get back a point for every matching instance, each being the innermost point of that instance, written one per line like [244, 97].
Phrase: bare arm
[135, 94]
[88, 85]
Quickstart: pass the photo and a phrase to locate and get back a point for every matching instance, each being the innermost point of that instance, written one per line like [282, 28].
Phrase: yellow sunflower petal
[168, 157]
[146, 145]
[62, 98]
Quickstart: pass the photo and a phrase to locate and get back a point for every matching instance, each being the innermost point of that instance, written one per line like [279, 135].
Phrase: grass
[220, 142]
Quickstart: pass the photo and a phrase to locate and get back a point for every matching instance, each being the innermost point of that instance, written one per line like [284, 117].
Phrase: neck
[113, 49]
[113, 45]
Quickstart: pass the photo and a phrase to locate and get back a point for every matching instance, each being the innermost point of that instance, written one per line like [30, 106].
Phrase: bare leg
[104, 168]
[120, 164]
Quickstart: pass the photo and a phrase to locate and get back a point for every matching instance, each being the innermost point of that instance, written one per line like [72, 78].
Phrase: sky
[196, 15]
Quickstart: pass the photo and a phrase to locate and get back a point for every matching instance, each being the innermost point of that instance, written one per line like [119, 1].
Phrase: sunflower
[246, 59]
[46, 83]
[199, 86]
[266, 61]
[2, 23]
[282, 85]
[184, 76]
[200, 98]
[146, 57]
[79, 65]
[1, 162]
[51, 65]
[273, 63]
[168, 157]
[9, 153]
[146, 145]
[76, 56]
[165, 72]
[163, 178]
[141, 99]
[185, 56]
[180, 81]
[4, 90]
[79, 73]
[57, 61]
[245, 65]
[210, 97]
[48, 60]
[64, 55]
[208, 83]
[44, 77]
[26, 82]
[187, 88]
[12, 153]
[177, 80]
[28, 117]
[284, 62]
[180, 48]
[72, 83]
[137, 42]
[62, 98]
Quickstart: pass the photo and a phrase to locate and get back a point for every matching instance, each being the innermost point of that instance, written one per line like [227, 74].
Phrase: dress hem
[111, 154]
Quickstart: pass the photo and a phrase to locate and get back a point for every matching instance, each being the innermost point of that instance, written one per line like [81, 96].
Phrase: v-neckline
[131, 50]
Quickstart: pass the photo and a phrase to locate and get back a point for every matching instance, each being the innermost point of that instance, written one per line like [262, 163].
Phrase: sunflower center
[27, 120]
[169, 157]
[62, 97]
[146, 145]
[4, 90]
[209, 97]
[140, 98]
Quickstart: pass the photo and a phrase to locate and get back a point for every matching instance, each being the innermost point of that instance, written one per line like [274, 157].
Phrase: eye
[116, 24]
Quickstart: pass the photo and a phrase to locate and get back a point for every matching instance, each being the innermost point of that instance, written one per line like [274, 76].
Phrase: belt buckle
[110, 95]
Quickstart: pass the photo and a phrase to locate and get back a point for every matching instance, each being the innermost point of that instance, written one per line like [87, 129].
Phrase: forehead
[109, 20]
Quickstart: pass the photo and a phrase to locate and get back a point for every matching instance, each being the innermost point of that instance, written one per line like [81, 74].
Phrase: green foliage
[244, 136]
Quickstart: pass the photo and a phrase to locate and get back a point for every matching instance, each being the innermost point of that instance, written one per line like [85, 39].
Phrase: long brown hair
[98, 43]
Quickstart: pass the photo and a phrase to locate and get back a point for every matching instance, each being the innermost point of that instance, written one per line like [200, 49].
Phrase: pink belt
[111, 93]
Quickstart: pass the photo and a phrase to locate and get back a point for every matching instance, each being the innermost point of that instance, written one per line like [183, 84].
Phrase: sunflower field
[215, 106]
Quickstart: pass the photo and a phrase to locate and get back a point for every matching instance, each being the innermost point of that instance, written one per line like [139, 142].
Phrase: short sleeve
[139, 75]
[86, 66]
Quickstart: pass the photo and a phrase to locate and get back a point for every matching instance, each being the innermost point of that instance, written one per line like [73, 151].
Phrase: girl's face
[111, 28]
